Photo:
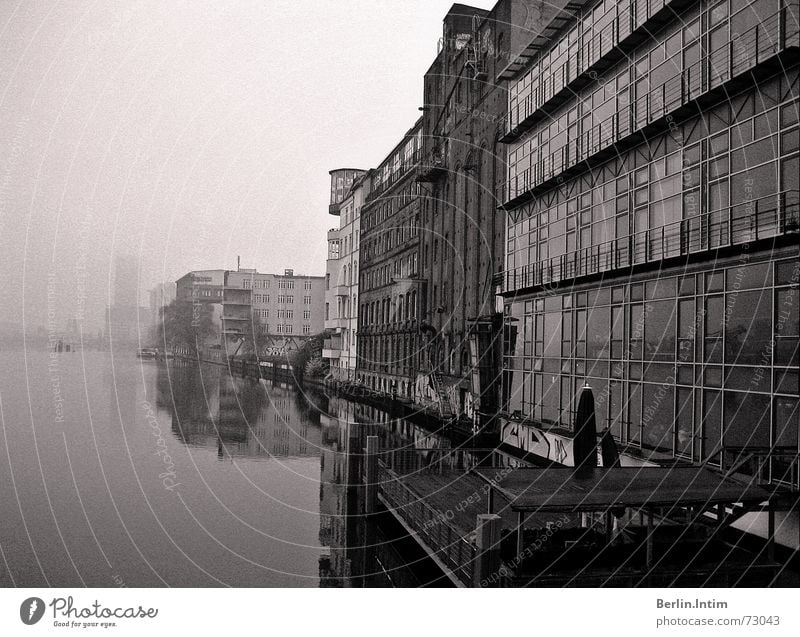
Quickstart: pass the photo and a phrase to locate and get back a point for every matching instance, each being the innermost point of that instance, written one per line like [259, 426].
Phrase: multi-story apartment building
[390, 288]
[341, 272]
[652, 233]
[282, 310]
[271, 312]
[462, 165]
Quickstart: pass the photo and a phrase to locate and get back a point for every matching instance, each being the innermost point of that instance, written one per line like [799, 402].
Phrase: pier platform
[488, 522]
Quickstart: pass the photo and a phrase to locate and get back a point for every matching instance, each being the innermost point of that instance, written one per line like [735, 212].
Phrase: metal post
[371, 475]
[487, 558]
[491, 500]
[649, 560]
[520, 529]
[771, 534]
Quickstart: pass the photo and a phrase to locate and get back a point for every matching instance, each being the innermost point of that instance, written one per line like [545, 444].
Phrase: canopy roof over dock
[562, 489]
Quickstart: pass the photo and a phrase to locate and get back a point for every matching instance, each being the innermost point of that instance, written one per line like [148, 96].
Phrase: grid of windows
[700, 365]
[650, 83]
[593, 33]
[731, 176]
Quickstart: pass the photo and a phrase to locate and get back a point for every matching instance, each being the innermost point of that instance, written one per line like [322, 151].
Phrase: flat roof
[561, 489]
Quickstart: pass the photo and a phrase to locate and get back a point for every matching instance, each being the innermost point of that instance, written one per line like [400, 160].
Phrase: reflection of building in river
[360, 553]
[238, 416]
[338, 502]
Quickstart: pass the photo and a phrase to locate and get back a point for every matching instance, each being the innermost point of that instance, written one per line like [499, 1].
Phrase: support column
[487, 559]
[649, 541]
[371, 475]
[520, 532]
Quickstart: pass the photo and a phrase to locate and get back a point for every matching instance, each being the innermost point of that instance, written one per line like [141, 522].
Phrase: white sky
[187, 133]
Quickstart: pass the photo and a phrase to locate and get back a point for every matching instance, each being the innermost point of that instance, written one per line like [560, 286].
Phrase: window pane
[749, 328]
[746, 419]
[660, 330]
[657, 416]
[712, 414]
[787, 415]
[684, 420]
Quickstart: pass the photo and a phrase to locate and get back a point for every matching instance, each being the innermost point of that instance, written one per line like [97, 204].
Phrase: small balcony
[433, 165]
[336, 323]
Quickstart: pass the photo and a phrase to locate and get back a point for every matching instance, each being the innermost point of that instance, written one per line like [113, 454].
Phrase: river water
[120, 472]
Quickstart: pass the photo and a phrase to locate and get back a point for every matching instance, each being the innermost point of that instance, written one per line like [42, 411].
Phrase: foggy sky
[187, 133]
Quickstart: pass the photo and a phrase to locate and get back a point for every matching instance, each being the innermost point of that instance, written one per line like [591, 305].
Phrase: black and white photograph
[414, 295]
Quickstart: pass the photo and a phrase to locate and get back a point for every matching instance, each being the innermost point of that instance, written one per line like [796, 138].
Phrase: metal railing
[430, 524]
[767, 217]
[769, 467]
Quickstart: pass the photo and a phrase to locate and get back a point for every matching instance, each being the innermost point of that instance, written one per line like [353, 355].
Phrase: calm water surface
[121, 472]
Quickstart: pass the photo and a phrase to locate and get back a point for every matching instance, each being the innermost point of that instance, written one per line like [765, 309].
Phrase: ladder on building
[445, 410]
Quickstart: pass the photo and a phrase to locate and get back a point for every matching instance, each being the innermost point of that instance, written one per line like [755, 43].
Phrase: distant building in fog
[126, 323]
[160, 296]
[274, 312]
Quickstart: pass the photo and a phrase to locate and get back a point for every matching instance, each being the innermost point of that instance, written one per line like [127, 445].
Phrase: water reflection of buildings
[237, 416]
[360, 552]
[339, 470]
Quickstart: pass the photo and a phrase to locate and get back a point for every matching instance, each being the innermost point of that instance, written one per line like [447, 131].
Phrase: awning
[561, 489]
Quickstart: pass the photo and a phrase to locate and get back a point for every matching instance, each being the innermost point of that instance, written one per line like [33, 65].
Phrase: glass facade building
[652, 233]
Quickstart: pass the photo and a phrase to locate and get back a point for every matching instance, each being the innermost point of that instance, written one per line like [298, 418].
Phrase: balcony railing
[763, 41]
[770, 216]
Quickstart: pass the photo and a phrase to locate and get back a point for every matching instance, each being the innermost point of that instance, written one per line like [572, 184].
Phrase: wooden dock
[486, 521]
